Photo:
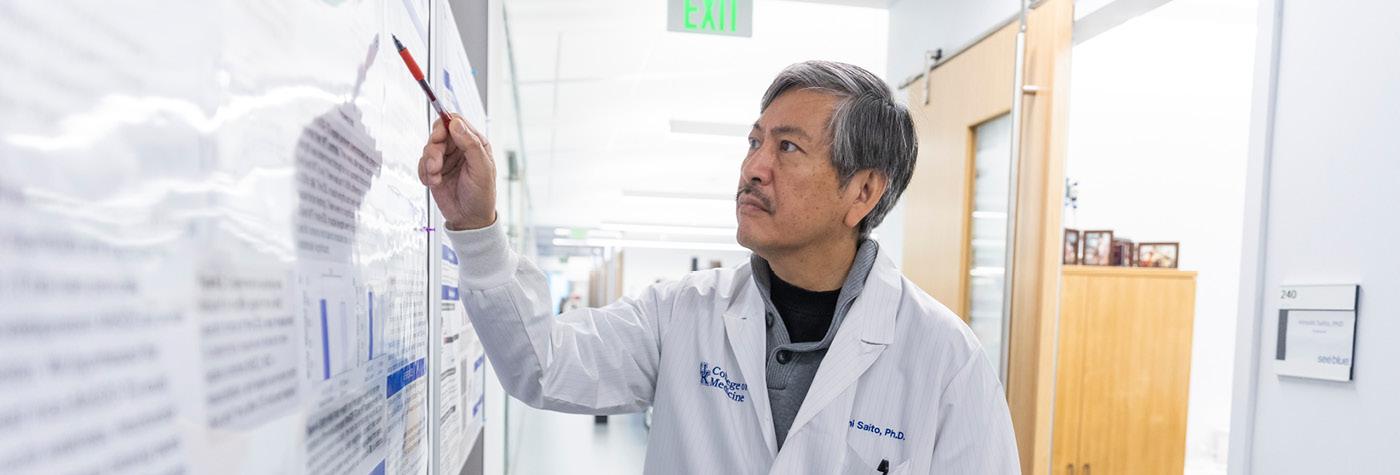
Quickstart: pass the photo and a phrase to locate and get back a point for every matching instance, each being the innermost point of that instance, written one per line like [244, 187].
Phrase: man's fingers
[423, 171]
[430, 165]
[429, 179]
[459, 131]
[449, 148]
[483, 140]
[464, 135]
[462, 126]
[439, 133]
[480, 138]
[433, 156]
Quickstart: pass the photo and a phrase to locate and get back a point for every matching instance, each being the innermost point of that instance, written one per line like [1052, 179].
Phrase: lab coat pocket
[866, 464]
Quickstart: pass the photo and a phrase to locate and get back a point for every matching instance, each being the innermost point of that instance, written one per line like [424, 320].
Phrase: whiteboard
[214, 247]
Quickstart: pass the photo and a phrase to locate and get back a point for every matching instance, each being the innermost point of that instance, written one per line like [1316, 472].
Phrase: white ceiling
[603, 84]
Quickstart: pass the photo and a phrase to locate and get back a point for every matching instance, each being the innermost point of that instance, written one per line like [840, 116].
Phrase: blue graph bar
[325, 342]
[371, 325]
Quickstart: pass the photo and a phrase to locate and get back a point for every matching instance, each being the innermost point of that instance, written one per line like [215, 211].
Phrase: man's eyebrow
[785, 130]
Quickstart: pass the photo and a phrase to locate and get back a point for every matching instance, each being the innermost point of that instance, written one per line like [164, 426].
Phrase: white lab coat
[905, 380]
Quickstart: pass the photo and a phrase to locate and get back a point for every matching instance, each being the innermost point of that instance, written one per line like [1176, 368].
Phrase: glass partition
[987, 270]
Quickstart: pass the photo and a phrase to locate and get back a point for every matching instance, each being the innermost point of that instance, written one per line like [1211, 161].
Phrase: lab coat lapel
[866, 332]
[744, 324]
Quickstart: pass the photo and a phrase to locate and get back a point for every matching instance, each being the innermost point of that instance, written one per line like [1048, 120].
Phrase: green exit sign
[715, 17]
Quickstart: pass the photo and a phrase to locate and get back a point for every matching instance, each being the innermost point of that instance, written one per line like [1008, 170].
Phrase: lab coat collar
[879, 301]
[881, 295]
[744, 325]
[866, 331]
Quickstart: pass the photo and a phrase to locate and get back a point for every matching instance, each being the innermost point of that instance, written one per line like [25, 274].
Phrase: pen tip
[397, 44]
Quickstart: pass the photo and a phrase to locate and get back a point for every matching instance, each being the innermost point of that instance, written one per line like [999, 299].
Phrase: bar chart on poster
[214, 252]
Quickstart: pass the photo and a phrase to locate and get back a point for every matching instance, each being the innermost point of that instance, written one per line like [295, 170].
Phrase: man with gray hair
[817, 356]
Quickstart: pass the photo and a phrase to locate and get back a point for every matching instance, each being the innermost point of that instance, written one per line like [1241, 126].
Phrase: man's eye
[787, 146]
[753, 144]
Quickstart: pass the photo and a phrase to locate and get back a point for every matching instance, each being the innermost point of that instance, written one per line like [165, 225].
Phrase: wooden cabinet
[1123, 370]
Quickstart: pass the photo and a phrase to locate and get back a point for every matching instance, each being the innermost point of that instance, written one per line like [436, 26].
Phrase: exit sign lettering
[714, 17]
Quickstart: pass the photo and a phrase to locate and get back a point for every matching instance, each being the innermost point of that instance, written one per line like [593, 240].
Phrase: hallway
[547, 442]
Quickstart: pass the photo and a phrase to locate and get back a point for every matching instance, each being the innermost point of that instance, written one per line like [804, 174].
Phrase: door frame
[1256, 226]
[1035, 293]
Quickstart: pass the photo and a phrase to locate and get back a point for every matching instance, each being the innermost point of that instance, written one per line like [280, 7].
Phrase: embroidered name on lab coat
[877, 430]
[716, 377]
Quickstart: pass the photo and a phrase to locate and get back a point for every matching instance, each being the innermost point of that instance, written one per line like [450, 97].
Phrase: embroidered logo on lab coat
[716, 377]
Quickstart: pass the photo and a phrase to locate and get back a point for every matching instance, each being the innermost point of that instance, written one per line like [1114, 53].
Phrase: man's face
[789, 192]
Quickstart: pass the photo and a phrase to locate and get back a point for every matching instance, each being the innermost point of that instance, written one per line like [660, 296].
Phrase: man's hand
[458, 168]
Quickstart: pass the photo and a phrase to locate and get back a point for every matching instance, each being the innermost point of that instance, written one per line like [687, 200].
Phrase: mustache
[757, 194]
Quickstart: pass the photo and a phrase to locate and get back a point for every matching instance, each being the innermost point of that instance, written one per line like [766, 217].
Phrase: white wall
[1330, 184]
[917, 26]
[1158, 139]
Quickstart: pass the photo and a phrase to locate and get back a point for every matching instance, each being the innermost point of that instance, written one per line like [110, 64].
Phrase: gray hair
[869, 130]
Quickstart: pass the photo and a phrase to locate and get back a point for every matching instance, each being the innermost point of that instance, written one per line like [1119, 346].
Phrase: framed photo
[1122, 252]
[1071, 247]
[1098, 248]
[1158, 254]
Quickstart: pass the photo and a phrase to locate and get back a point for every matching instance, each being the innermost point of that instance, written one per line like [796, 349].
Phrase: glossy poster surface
[213, 254]
[462, 412]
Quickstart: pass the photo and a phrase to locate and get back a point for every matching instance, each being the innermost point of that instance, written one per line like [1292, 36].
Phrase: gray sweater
[792, 366]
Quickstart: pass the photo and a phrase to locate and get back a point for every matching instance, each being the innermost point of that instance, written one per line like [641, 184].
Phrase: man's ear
[868, 186]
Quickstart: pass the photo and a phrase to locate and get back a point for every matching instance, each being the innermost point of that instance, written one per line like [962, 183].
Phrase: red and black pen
[422, 81]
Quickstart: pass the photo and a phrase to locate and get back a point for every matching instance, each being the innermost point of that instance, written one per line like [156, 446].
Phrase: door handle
[1070, 467]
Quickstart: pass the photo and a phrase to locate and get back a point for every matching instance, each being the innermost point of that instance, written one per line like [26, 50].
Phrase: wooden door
[1134, 371]
[963, 91]
[1069, 373]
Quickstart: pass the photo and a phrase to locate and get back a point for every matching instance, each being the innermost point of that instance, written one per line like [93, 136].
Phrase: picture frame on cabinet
[1122, 252]
[1071, 252]
[1097, 248]
[1159, 254]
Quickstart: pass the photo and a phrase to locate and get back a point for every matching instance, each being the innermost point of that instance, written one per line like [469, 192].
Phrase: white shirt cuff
[487, 260]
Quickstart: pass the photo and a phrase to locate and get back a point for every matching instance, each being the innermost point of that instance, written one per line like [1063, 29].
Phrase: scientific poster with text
[462, 383]
[213, 257]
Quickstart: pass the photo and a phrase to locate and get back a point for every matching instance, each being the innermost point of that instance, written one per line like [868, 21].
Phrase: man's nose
[758, 167]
